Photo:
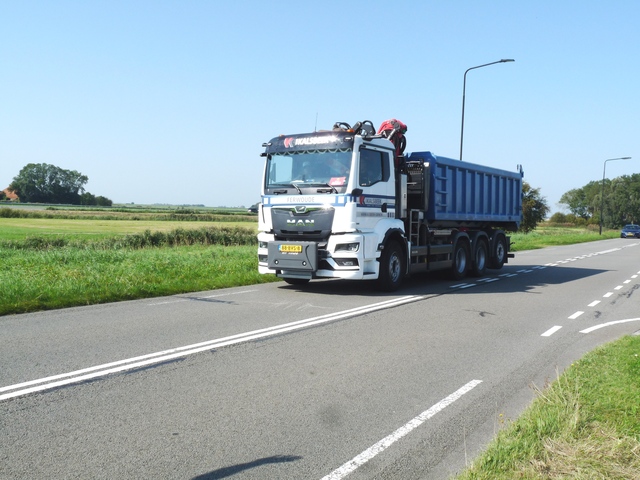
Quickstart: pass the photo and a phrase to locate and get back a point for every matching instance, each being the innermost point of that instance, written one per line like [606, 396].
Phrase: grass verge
[585, 425]
[42, 273]
[42, 279]
[548, 236]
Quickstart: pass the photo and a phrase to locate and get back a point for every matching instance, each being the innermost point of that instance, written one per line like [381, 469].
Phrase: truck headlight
[263, 244]
[348, 247]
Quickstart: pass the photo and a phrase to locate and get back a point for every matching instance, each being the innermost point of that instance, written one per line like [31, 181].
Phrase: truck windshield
[309, 168]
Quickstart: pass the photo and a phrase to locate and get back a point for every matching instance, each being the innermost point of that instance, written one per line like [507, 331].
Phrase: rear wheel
[480, 258]
[392, 267]
[460, 260]
[499, 252]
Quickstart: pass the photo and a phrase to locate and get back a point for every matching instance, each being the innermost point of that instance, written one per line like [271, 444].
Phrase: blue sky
[170, 101]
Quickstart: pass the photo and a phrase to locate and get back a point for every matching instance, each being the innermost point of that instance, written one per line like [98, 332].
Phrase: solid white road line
[602, 325]
[166, 355]
[386, 442]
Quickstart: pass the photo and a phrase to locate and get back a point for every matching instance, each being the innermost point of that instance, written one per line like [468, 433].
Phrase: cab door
[376, 182]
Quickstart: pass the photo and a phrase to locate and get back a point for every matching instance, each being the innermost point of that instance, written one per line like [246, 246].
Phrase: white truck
[347, 203]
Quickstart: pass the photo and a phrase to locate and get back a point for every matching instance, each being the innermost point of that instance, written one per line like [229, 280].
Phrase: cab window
[372, 167]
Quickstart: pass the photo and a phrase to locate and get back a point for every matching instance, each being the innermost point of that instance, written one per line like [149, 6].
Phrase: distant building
[9, 195]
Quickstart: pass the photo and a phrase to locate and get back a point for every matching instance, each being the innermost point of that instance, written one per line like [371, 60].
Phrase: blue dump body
[461, 193]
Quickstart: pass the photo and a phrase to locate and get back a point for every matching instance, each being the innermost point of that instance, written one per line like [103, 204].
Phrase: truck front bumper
[343, 256]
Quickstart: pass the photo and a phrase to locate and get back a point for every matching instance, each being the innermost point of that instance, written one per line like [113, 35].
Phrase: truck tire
[461, 260]
[480, 257]
[392, 267]
[499, 254]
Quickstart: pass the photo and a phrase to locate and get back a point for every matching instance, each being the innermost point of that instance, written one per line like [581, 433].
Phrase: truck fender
[392, 261]
[460, 234]
[396, 234]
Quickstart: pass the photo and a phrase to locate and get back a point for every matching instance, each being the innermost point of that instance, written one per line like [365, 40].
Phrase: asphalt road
[332, 381]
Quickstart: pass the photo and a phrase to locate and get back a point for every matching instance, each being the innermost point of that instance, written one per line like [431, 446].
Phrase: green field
[77, 229]
[68, 257]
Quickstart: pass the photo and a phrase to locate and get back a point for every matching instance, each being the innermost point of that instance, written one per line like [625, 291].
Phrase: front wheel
[392, 267]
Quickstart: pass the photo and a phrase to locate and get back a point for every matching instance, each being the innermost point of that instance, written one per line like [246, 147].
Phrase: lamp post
[464, 87]
[602, 192]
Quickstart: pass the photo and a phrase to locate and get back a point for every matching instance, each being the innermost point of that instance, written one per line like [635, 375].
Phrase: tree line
[44, 183]
[616, 202]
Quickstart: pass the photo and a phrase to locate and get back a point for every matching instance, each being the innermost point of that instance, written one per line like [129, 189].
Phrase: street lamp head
[504, 60]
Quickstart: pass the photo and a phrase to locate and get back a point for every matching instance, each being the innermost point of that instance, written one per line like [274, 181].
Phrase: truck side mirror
[356, 192]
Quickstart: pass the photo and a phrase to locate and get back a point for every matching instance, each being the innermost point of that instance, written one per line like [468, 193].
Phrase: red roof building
[10, 195]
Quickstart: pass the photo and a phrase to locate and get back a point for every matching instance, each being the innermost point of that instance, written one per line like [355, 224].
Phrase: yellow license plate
[291, 248]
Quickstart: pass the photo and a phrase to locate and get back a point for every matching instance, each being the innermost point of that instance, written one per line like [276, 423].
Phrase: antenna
[315, 128]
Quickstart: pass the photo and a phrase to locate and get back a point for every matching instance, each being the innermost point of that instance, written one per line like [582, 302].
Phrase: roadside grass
[47, 272]
[585, 425]
[49, 278]
[548, 236]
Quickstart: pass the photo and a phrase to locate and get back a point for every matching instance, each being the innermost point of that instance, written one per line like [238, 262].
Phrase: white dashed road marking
[551, 331]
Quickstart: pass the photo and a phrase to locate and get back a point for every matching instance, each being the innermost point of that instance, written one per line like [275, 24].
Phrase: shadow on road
[232, 470]
[510, 279]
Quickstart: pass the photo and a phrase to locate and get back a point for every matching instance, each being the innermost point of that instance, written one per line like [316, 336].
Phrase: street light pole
[604, 169]
[464, 87]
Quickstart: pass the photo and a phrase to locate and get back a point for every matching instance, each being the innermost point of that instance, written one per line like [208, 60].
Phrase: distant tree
[44, 183]
[90, 199]
[534, 208]
[87, 199]
[558, 217]
[621, 202]
[103, 201]
[3, 195]
[582, 201]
